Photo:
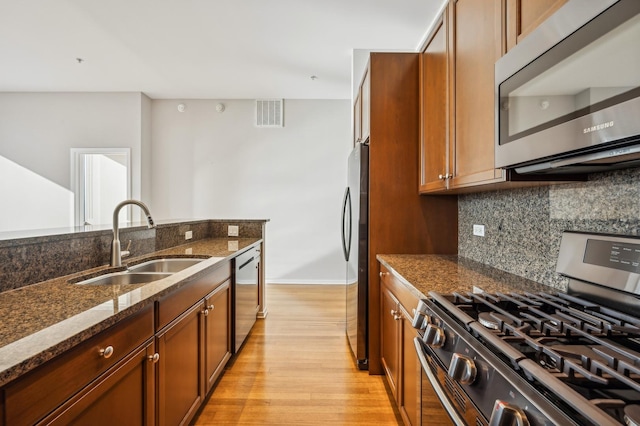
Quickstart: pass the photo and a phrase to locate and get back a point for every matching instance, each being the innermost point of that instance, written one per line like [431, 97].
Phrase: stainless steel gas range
[541, 358]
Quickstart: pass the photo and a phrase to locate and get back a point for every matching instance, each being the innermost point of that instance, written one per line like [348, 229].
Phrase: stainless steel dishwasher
[245, 295]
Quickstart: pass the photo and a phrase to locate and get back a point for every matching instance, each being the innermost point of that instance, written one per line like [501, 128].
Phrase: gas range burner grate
[575, 340]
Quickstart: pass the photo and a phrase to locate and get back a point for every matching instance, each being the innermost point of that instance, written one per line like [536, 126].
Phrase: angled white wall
[220, 165]
[37, 131]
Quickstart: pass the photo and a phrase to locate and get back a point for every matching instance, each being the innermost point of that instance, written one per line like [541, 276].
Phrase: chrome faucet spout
[116, 254]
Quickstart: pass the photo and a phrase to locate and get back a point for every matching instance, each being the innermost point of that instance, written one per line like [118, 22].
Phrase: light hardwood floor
[296, 368]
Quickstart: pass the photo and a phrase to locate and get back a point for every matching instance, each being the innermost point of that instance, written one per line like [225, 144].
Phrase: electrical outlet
[188, 235]
[233, 231]
[478, 230]
[232, 245]
[188, 251]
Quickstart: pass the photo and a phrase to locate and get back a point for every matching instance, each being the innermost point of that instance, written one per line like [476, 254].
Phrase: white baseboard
[324, 282]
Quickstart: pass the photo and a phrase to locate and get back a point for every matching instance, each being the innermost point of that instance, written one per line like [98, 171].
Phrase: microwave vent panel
[269, 113]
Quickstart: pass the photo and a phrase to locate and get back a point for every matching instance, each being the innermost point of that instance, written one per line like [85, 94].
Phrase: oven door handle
[436, 385]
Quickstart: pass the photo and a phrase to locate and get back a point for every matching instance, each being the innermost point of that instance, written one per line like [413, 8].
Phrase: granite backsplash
[523, 227]
[26, 261]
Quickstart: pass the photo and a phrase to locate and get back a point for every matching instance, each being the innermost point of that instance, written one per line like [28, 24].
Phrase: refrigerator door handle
[346, 223]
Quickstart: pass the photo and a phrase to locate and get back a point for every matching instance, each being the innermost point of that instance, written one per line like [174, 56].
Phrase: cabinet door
[390, 339]
[180, 384]
[122, 396]
[217, 329]
[411, 386]
[434, 158]
[475, 47]
[524, 16]
[365, 95]
[357, 119]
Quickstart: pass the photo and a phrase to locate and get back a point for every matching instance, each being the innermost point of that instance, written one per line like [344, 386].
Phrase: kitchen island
[69, 350]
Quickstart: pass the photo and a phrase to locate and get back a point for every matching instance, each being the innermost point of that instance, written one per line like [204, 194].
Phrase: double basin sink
[146, 272]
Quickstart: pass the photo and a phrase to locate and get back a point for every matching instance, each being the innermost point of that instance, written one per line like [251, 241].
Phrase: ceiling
[216, 49]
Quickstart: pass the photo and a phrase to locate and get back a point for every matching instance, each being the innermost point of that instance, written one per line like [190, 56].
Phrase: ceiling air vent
[269, 113]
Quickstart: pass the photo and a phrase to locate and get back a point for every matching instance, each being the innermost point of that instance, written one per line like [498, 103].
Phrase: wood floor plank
[296, 368]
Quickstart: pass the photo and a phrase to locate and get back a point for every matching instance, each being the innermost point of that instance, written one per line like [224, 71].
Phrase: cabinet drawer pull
[210, 307]
[154, 358]
[106, 352]
[383, 274]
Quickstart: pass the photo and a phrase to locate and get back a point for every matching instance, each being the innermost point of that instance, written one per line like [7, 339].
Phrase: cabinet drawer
[174, 304]
[31, 397]
[407, 299]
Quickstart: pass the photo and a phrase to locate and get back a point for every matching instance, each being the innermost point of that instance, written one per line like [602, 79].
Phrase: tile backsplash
[523, 227]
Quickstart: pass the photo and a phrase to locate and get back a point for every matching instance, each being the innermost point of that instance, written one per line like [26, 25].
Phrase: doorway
[101, 178]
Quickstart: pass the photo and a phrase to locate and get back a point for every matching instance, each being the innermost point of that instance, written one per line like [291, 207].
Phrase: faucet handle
[126, 251]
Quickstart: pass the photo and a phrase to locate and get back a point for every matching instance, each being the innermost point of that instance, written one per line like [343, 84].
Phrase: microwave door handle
[346, 220]
[451, 411]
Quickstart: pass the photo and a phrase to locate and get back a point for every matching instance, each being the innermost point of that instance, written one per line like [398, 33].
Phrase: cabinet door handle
[210, 307]
[205, 312]
[154, 358]
[383, 274]
[106, 352]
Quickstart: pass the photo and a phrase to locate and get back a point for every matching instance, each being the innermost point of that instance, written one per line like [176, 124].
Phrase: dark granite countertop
[446, 274]
[42, 320]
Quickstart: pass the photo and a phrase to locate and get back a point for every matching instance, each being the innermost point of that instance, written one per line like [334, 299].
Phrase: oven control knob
[505, 414]
[434, 336]
[420, 318]
[462, 369]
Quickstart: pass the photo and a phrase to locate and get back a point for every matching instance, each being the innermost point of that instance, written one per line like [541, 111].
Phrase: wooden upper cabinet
[357, 119]
[365, 99]
[434, 158]
[457, 98]
[523, 16]
[474, 46]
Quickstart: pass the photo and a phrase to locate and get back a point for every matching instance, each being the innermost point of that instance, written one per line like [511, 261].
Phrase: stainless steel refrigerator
[355, 244]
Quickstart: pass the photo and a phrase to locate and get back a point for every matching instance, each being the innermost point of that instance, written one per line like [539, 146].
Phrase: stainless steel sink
[169, 265]
[120, 278]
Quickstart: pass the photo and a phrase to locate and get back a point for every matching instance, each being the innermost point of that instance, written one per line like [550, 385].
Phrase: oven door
[443, 400]
[436, 407]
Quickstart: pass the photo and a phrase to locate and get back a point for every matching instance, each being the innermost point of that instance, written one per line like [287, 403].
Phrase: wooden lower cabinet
[217, 333]
[180, 387]
[122, 396]
[391, 332]
[399, 358]
[154, 367]
[411, 383]
[194, 350]
[72, 374]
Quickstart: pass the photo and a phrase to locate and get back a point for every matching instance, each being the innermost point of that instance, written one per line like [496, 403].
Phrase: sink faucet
[116, 256]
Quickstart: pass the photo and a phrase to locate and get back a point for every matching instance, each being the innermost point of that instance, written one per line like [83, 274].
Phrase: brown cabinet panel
[435, 165]
[400, 219]
[357, 119]
[180, 384]
[217, 329]
[410, 408]
[175, 303]
[524, 16]
[475, 46]
[365, 96]
[38, 393]
[389, 340]
[123, 396]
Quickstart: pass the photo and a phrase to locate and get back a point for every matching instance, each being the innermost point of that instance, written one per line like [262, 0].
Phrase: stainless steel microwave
[567, 98]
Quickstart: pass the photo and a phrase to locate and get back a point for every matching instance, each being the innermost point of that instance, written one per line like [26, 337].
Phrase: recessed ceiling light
[79, 60]
[314, 77]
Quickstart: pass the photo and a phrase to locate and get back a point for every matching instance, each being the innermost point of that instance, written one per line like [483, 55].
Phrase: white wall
[37, 131]
[219, 165]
